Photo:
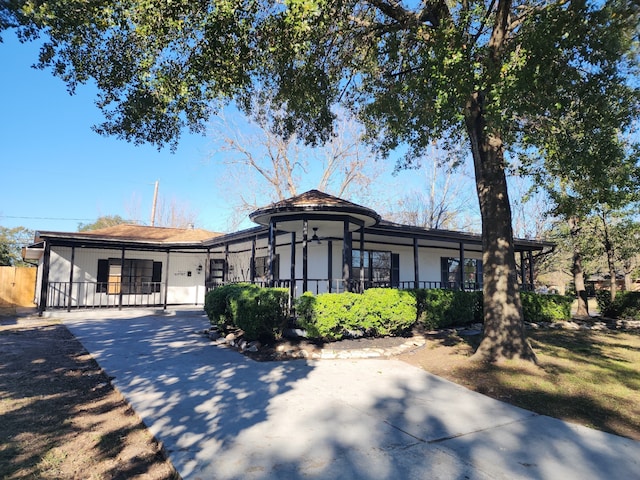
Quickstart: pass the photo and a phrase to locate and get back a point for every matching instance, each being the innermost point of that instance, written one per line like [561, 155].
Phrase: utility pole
[153, 207]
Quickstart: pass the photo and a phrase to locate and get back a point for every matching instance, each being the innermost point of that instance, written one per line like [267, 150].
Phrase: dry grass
[61, 418]
[587, 377]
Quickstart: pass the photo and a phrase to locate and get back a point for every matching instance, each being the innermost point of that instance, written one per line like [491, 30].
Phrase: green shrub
[261, 313]
[328, 316]
[442, 308]
[220, 304]
[376, 312]
[385, 311]
[546, 308]
[605, 306]
[626, 305]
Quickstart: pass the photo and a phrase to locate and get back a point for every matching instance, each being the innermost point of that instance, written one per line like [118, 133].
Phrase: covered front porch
[318, 243]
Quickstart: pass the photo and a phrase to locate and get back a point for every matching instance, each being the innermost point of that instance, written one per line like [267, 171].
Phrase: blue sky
[56, 172]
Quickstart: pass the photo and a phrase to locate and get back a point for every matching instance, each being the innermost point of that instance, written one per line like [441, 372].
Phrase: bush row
[626, 305]
[443, 308]
[376, 312]
[261, 312]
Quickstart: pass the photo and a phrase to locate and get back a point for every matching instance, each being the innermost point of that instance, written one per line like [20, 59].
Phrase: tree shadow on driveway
[222, 415]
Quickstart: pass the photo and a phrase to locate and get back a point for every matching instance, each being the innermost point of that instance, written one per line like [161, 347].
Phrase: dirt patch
[61, 417]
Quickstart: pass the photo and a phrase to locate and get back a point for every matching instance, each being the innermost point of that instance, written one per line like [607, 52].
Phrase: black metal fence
[72, 295]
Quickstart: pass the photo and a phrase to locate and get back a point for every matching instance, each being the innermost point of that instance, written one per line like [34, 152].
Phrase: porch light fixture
[315, 237]
[199, 269]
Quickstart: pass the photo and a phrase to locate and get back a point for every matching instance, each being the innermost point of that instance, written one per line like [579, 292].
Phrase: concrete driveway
[223, 416]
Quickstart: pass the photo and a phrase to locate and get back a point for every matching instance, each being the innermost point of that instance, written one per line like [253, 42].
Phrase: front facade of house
[313, 242]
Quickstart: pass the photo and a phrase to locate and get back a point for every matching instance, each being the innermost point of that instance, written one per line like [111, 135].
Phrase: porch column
[44, 280]
[346, 257]
[416, 262]
[531, 268]
[121, 279]
[73, 259]
[272, 250]
[461, 276]
[207, 271]
[225, 268]
[330, 263]
[362, 258]
[522, 269]
[292, 287]
[305, 258]
[166, 284]
[252, 261]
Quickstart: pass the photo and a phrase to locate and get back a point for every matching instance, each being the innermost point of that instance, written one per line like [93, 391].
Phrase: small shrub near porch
[261, 313]
[376, 312]
[443, 308]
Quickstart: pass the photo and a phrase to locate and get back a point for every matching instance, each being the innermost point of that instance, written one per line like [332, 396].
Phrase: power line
[46, 218]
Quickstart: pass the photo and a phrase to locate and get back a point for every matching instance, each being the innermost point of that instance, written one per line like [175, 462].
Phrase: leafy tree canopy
[11, 242]
[102, 222]
[164, 66]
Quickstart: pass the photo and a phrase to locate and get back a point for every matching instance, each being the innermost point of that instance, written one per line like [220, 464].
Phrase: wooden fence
[17, 286]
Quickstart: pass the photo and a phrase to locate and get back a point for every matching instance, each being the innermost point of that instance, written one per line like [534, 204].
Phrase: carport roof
[130, 234]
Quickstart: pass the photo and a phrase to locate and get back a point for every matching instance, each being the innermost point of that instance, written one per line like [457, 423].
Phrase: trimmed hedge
[376, 312]
[626, 305]
[546, 308]
[443, 308]
[260, 312]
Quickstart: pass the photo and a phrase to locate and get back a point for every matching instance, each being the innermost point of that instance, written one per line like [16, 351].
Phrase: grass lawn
[586, 377]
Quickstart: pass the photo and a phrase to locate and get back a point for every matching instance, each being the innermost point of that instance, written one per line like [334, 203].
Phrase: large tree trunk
[628, 270]
[608, 246]
[576, 269]
[504, 334]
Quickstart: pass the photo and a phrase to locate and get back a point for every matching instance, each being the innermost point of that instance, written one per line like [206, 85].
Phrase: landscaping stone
[296, 346]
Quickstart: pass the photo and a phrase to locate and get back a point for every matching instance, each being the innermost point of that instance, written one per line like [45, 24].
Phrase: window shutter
[156, 276]
[102, 276]
[479, 271]
[444, 272]
[395, 270]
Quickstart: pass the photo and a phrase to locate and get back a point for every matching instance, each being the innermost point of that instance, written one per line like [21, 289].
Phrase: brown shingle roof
[141, 233]
[313, 198]
[312, 201]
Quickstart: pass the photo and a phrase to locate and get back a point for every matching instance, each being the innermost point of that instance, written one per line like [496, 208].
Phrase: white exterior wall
[185, 284]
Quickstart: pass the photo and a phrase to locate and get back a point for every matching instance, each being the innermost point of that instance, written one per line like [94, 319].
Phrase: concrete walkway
[223, 416]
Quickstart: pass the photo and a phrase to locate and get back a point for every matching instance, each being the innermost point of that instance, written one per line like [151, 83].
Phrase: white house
[312, 242]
